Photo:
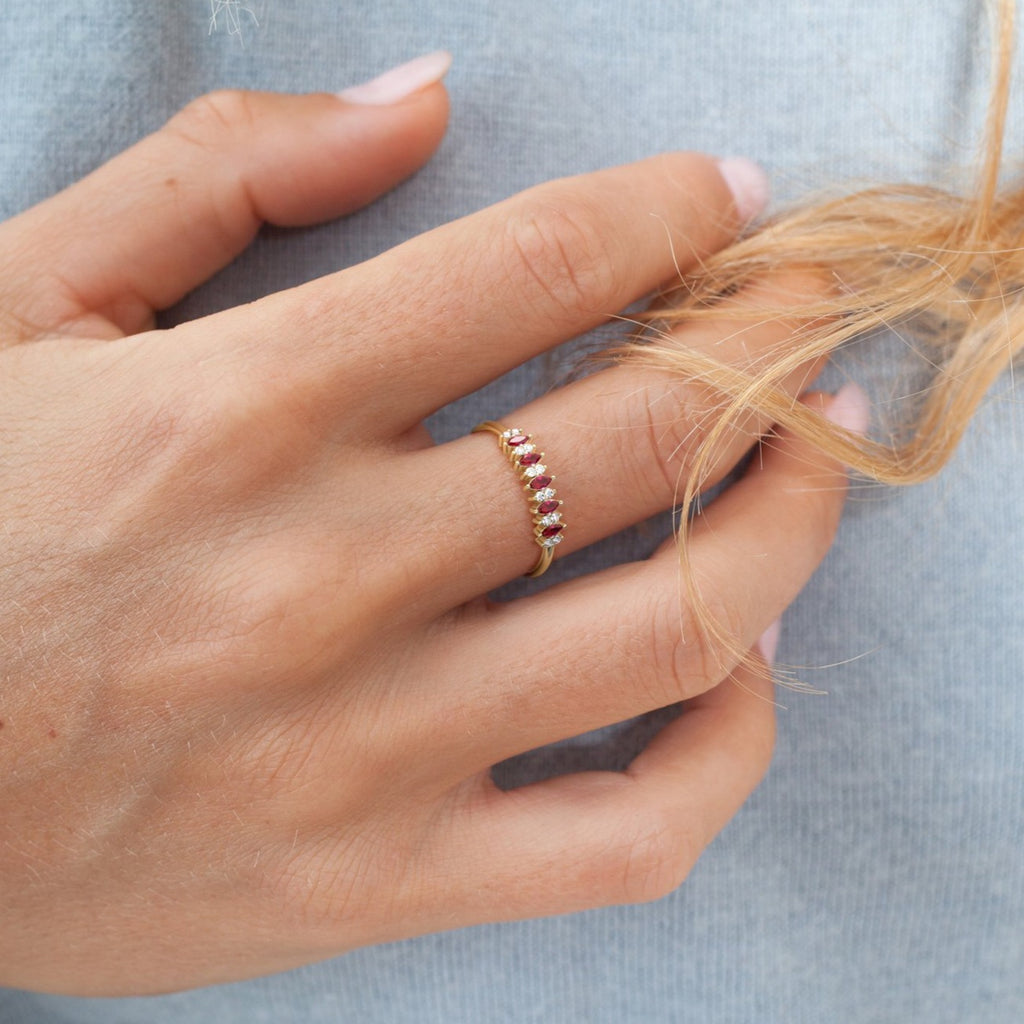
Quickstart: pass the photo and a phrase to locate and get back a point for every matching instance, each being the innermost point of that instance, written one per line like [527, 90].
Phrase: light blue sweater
[878, 873]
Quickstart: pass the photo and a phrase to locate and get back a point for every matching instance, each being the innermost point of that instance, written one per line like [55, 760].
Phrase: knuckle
[333, 874]
[688, 648]
[206, 119]
[285, 753]
[655, 860]
[557, 249]
[269, 626]
[667, 657]
[656, 449]
[170, 434]
[211, 127]
[235, 427]
[153, 429]
[715, 643]
[318, 883]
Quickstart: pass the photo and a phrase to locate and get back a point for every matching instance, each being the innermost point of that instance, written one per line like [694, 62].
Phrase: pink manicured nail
[850, 409]
[770, 641]
[749, 185]
[401, 82]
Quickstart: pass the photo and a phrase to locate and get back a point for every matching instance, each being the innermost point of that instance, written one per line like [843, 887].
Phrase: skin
[251, 687]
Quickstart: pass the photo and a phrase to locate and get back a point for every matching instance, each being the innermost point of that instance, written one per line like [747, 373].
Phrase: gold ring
[528, 463]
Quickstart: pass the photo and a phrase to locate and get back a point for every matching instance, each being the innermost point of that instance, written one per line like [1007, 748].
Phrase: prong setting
[545, 507]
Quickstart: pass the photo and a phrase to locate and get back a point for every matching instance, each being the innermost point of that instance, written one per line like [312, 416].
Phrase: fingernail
[749, 185]
[849, 408]
[401, 82]
[769, 641]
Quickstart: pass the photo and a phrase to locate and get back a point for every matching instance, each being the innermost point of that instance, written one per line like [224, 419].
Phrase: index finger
[450, 310]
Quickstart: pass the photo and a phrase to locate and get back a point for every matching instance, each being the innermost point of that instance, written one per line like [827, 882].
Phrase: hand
[251, 691]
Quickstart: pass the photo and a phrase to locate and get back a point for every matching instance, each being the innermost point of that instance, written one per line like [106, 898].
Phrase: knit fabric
[877, 875]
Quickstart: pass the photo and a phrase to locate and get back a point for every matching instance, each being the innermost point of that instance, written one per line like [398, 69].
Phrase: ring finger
[617, 446]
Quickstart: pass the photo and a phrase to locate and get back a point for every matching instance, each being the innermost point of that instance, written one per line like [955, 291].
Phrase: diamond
[544, 495]
[550, 542]
[550, 520]
[511, 432]
[538, 470]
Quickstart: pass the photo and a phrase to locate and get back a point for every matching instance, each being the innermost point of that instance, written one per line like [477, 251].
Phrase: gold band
[528, 463]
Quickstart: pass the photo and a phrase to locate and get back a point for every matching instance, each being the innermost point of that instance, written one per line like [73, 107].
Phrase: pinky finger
[599, 838]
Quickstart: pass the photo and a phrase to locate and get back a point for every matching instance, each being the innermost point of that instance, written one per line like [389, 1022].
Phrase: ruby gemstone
[529, 458]
[539, 482]
[550, 531]
[547, 506]
[517, 439]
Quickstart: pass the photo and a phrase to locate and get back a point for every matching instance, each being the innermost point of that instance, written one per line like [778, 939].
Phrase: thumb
[147, 227]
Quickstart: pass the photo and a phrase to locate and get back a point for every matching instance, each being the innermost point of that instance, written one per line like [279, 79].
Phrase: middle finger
[386, 343]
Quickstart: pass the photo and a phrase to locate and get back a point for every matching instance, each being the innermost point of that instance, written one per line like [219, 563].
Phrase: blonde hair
[947, 267]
